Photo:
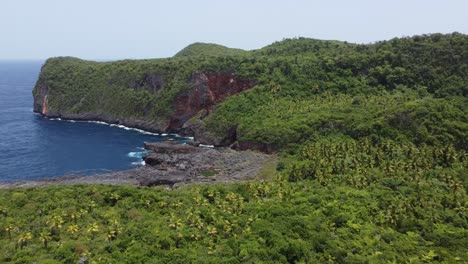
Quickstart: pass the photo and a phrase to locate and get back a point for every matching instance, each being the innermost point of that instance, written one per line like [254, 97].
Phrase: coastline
[119, 125]
[173, 165]
[100, 118]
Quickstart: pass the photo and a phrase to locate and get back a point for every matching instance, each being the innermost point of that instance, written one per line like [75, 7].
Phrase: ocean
[33, 147]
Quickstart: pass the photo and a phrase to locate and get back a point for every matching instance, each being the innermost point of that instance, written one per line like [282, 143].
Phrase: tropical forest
[370, 145]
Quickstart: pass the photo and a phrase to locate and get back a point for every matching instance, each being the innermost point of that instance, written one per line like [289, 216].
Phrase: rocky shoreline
[173, 165]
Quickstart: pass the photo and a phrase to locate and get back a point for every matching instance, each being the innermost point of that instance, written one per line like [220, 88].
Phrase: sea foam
[137, 154]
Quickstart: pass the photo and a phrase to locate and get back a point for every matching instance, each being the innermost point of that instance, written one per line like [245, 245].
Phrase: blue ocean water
[32, 146]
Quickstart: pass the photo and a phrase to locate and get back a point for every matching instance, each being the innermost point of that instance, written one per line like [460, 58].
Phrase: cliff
[279, 96]
[152, 99]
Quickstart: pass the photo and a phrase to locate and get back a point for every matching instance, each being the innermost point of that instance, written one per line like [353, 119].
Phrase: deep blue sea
[32, 146]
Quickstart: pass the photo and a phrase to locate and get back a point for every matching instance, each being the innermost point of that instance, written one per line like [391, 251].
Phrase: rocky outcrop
[173, 156]
[173, 163]
[207, 90]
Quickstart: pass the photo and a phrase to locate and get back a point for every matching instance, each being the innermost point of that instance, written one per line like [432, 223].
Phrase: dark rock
[152, 160]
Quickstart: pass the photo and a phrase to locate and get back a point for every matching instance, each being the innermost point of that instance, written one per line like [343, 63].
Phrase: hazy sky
[116, 29]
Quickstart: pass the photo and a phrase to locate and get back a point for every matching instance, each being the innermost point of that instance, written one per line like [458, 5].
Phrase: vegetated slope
[402, 88]
[342, 201]
[165, 93]
[209, 49]
[372, 146]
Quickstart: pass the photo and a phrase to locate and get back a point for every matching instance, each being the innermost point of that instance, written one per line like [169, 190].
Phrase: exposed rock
[40, 98]
[174, 166]
[187, 163]
[207, 90]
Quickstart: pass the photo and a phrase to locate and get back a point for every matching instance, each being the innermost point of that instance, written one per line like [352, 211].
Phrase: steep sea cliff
[279, 96]
[150, 98]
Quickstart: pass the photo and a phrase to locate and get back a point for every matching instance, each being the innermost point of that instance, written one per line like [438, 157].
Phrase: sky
[133, 29]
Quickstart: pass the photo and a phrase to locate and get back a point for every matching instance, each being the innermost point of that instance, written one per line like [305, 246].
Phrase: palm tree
[9, 228]
[93, 228]
[24, 239]
[72, 229]
[45, 237]
[111, 234]
[212, 231]
[55, 223]
[175, 223]
[91, 205]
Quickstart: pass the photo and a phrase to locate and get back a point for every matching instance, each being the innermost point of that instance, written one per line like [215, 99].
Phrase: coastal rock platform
[173, 165]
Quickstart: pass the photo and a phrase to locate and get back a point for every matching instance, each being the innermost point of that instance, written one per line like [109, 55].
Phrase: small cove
[33, 147]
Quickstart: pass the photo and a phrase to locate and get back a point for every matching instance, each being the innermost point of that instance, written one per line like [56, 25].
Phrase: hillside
[208, 49]
[371, 141]
[163, 94]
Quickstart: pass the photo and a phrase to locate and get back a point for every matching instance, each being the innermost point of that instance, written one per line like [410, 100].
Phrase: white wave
[123, 127]
[206, 146]
[98, 122]
[137, 154]
[139, 163]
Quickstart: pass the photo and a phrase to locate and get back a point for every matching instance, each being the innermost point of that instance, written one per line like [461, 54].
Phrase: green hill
[208, 49]
[371, 140]
[302, 45]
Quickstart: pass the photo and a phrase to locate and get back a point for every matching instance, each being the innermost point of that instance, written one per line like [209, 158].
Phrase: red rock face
[207, 90]
[40, 99]
[45, 106]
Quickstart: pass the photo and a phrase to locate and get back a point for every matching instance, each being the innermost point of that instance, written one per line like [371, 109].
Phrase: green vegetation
[372, 146]
[341, 201]
[209, 173]
[208, 49]
[410, 89]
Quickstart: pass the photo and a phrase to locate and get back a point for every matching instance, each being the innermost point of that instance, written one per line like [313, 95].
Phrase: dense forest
[372, 147]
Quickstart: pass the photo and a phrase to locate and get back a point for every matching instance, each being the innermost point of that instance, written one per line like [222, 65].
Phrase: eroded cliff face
[41, 104]
[207, 90]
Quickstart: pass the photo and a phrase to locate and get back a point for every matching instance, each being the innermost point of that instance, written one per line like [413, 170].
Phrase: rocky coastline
[172, 165]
